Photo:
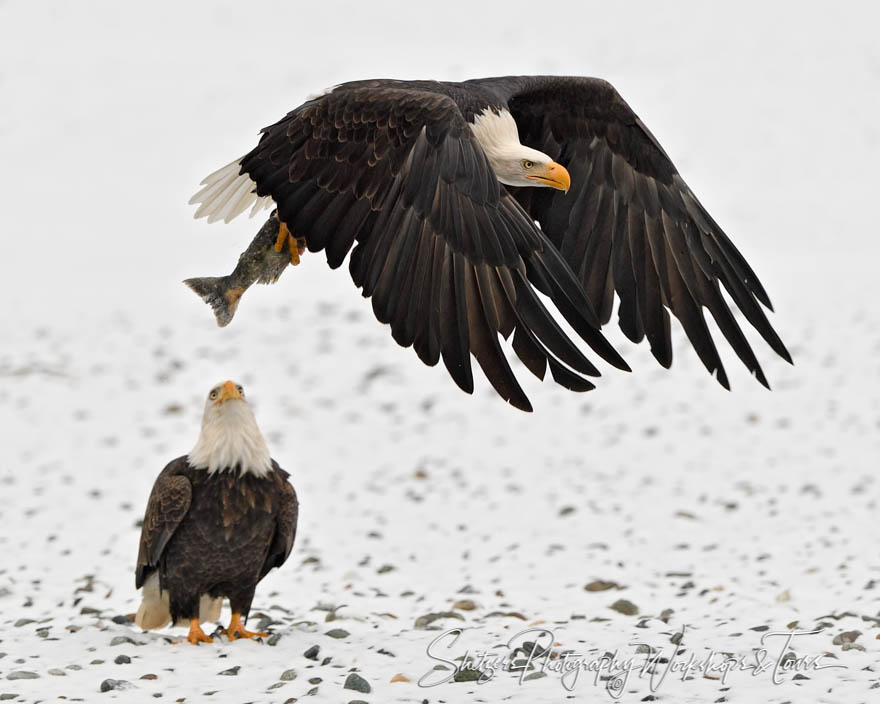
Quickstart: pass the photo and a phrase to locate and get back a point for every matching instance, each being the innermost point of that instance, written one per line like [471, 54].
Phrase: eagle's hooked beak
[553, 175]
[228, 390]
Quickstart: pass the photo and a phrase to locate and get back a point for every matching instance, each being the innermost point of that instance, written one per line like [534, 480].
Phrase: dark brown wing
[630, 224]
[447, 255]
[169, 501]
[285, 524]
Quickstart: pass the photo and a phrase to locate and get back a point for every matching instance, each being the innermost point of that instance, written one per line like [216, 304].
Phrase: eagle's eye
[214, 394]
[526, 164]
[240, 390]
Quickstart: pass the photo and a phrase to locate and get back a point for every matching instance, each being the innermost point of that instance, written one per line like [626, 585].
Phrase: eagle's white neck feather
[230, 438]
[499, 137]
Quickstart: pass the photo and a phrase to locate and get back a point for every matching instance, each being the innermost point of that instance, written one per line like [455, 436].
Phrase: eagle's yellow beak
[553, 175]
[228, 390]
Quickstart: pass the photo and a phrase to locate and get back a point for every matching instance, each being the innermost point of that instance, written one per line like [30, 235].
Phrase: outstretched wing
[631, 224]
[447, 255]
[285, 524]
[169, 501]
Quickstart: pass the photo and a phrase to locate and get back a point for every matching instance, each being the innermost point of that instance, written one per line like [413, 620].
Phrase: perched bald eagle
[218, 519]
[465, 199]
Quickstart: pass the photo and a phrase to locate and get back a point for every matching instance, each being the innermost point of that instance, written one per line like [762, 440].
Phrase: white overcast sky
[113, 112]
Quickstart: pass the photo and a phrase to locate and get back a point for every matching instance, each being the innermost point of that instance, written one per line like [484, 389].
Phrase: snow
[736, 510]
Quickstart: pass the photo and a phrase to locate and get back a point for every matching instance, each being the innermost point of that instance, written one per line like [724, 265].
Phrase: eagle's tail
[218, 293]
[155, 609]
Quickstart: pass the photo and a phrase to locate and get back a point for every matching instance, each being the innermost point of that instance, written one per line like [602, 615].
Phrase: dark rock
[846, 637]
[468, 675]
[312, 653]
[357, 683]
[23, 622]
[122, 660]
[122, 640]
[7, 695]
[232, 671]
[534, 676]
[601, 585]
[337, 633]
[625, 607]
[274, 638]
[315, 680]
[122, 620]
[22, 675]
[110, 685]
[424, 622]
[288, 676]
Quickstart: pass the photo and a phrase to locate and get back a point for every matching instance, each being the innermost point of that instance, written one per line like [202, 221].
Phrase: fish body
[260, 263]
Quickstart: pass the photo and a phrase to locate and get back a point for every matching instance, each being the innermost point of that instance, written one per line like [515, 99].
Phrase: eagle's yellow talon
[196, 634]
[237, 630]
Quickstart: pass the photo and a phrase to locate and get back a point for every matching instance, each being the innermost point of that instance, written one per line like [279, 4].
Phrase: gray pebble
[122, 640]
[424, 622]
[468, 675]
[312, 653]
[55, 672]
[23, 622]
[357, 683]
[22, 675]
[122, 660]
[231, 671]
[315, 680]
[625, 607]
[7, 695]
[274, 638]
[846, 637]
[109, 685]
[337, 633]
[534, 676]
[288, 675]
[853, 646]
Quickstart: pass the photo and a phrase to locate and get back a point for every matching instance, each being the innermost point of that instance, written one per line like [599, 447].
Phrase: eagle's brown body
[215, 534]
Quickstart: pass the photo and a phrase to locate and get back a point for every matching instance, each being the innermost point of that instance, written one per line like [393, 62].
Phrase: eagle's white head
[515, 164]
[230, 437]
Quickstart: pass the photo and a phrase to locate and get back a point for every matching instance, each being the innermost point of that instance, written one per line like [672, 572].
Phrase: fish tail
[218, 293]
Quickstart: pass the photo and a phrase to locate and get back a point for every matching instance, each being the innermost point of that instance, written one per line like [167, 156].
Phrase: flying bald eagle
[465, 199]
[218, 519]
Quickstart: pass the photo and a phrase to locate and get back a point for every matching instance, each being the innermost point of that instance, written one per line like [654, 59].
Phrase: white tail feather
[155, 609]
[227, 194]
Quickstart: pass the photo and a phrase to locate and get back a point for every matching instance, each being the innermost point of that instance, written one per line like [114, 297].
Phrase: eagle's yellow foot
[237, 630]
[196, 634]
[297, 247]
[297, 244]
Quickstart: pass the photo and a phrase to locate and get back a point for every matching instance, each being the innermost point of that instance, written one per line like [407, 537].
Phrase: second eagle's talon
[237, 631]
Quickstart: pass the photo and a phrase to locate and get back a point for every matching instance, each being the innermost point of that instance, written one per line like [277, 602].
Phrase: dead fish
[263, 262]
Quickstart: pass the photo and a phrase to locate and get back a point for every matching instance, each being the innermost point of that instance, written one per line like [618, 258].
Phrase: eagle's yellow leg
[196, 634]
[237, 630]
[297, 244]
[283, 236]
[297, 247]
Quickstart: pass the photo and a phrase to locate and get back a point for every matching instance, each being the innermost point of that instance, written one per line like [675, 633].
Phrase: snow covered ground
[720, 516]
